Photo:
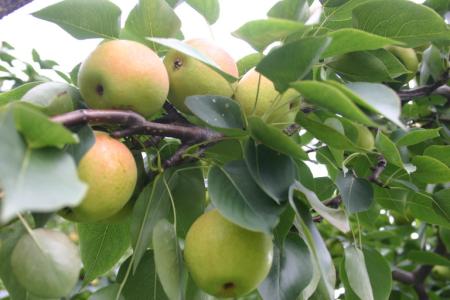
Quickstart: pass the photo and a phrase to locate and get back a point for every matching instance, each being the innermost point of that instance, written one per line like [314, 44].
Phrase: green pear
[47, 263]
[365, 138]
[441, 273]
[408, 58]
[224, 259]
[110, 172]
[53, 98]
[189, 76]
[257, 96]
[122, 74]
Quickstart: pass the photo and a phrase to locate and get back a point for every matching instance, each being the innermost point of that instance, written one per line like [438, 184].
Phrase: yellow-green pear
[122, 74]
[189, 76]
[53, 98]
[257, 96]
[365, 138]
[408, 57]
[47, 263]
[224, 259]
[109, 169]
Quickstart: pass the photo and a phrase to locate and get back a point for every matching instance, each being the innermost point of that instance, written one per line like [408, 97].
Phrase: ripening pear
[365, 137]
[224, 259]
[53, 98]
[257, 96]
[47, 263]
[407, 57]
[188, 76]
[121, 74]
[110, 171]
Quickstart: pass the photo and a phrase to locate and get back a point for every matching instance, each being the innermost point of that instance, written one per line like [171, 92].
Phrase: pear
[224, 259]
[189, 76]
[110, 171]
[408, 58]
[122, 74]
[258, 96]
[47, 263]
[53, 98]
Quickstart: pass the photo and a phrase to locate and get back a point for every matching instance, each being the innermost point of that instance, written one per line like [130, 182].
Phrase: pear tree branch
[439, 87]
[9, 6]
[136, 124]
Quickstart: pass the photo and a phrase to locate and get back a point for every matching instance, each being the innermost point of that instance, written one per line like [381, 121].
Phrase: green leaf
[209, 9]
[360, 66]
[152, 205]
[441, 204]
[239, 198]
[291, 270]
[358, 278]
[336, 217]
[84, 19]
[168, 260]
[188, 50]
[295, 10]
[151, 18]
[375, 97]
[274, 172]
[248, 62]
[356, 193]
[87, 140]
[38, 130]
[432, 65]
[352, 40]
[430, 170]
[101, 246]
[274, 138]
[388, 149]
[107, 293]
[188, 192]
[423, 207]
[9, 236]
[25, 187]
[292, 61]
[340, 16]
[439, 152]
[218, 112]
[405, 21]
[261, 33]
[320, 93]
[416, 136]
[379, 274]
[427, 258]
[144, 283]
[17, 93]
[325, 133]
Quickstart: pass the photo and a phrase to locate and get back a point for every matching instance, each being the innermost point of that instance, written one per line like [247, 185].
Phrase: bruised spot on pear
[177, 64]
[99, 89]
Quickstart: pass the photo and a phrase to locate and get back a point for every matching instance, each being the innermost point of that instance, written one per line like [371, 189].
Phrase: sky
[52, 42]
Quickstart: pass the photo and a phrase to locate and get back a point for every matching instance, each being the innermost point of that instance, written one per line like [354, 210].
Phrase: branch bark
[136, 124]
[8, 6]
[440, 87]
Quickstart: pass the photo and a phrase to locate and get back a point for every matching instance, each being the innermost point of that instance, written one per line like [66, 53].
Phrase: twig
[136, 124]
[406, 95]
[173, 116]
[381, 165]
[8, 6]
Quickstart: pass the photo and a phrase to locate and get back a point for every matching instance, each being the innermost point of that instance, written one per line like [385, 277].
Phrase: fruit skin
[122, 74]
[189, 76]
[269, 103]
[49, 274]
[110, 171]
[224, 259]
[53, 98]
[408, 57]
[365, 138]
[441, 273]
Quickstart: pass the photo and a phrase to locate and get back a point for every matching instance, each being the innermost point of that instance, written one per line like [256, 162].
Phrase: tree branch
[439, 87]
[136, 124]
[8, 6]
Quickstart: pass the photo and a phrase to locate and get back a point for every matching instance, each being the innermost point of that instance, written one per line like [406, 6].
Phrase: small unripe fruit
[47, 264]
[189, 76]
[257, 95]
[224, 259]
[122, 74]
[408, 58]
[110, 171]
